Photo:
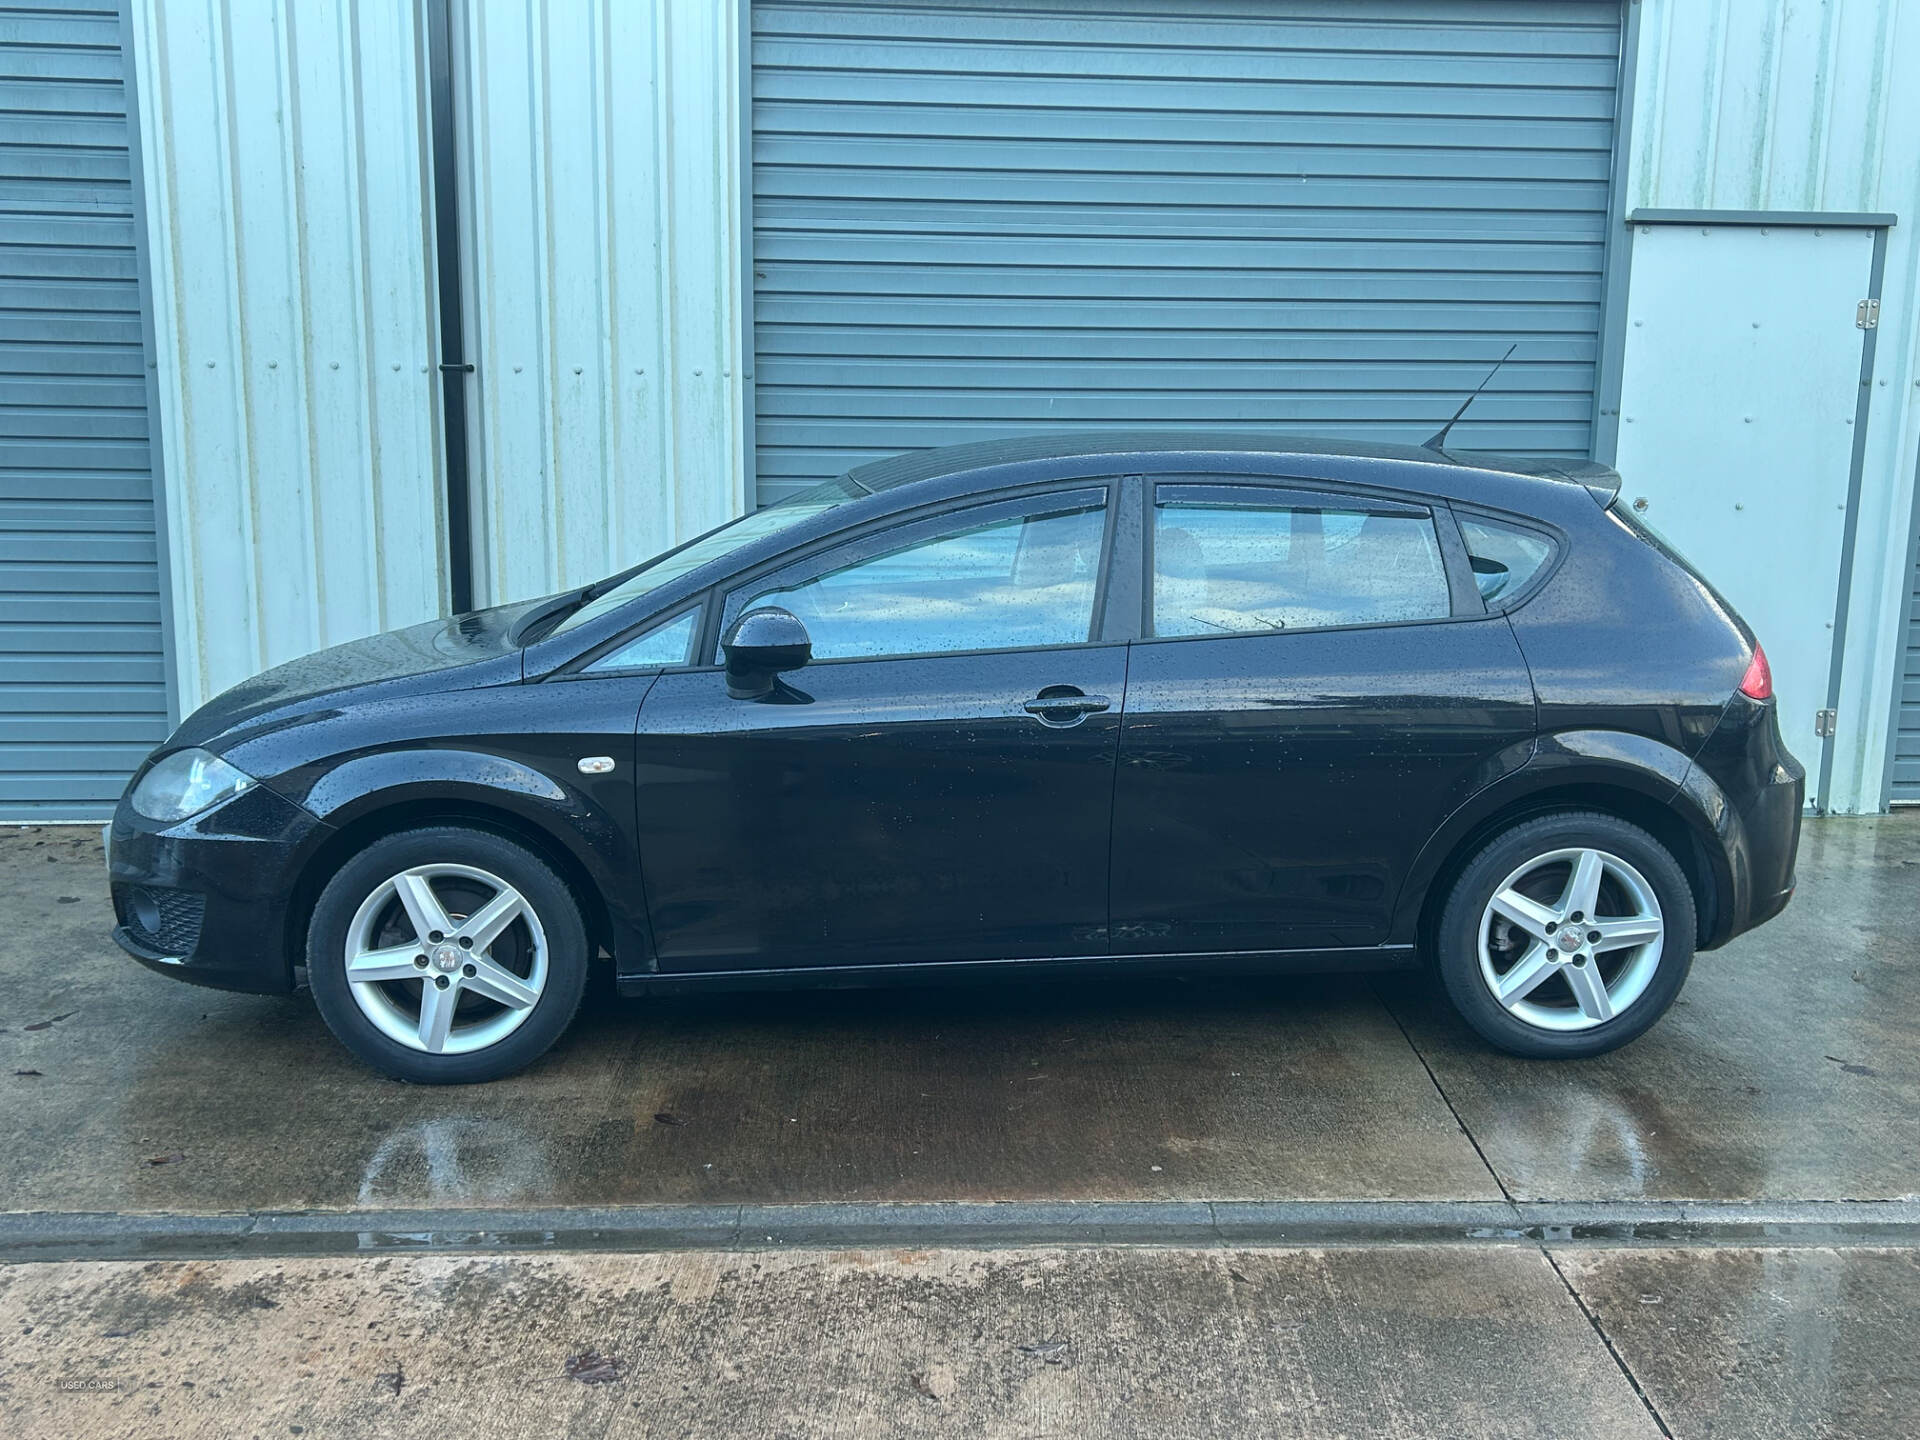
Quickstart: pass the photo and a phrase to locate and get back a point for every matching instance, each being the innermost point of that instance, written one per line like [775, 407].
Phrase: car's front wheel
[447, 955]
[1568, 935]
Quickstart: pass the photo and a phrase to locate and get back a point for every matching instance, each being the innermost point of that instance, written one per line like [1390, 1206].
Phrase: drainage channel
[45, 1236]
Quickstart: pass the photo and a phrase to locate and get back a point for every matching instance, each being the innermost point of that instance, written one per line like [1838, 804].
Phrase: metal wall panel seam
[1616, 268]
[666, 238]
[740, 204]
[149, 365]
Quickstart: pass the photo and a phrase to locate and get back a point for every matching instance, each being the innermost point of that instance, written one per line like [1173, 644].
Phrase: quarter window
[665, 644]
[1020, 582]
[1227, 563]
[1505, 558]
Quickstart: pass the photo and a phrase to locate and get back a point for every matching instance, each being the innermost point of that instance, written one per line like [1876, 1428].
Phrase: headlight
[185, 783]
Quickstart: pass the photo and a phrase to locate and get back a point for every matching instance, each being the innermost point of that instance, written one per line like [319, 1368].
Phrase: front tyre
[1568, 935]
[448, 955]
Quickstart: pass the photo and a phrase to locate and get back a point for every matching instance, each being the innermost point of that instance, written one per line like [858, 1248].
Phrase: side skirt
[852, 977]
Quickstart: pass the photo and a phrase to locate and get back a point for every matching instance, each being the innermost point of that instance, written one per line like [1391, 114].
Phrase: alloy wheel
[446, 959]
[1571, 939]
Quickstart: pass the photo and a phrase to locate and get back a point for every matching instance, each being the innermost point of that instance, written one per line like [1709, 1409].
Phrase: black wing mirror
[763, 643]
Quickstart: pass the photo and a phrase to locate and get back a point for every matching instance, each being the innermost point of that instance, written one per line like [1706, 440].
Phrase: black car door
[1316, 692]
[936, 785]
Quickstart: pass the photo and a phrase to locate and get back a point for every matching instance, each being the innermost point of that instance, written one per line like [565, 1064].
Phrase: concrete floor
[1390, 1342]
[1786, 1073]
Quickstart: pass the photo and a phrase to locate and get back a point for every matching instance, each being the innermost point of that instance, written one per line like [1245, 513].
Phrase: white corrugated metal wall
[603, 221]
[1784, 105]
[285, 177]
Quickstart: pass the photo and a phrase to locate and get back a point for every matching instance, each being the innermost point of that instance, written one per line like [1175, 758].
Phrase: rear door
[1317, 691]
[936, 785]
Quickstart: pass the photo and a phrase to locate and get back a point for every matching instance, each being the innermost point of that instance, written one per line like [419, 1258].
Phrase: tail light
[1757, 683]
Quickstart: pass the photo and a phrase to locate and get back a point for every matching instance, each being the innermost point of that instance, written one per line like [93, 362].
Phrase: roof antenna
[1440, 440]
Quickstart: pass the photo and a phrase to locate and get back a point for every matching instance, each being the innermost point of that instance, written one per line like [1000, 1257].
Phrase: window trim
[1467, 599]
[840, 551]
[1555, 537]
[1428, 507]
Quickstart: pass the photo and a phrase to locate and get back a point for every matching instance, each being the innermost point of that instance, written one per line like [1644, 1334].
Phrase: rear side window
[1505, 558]
[1237, 560]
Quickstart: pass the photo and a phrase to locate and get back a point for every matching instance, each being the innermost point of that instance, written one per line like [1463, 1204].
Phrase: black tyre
[445, 956]
[1568, 935]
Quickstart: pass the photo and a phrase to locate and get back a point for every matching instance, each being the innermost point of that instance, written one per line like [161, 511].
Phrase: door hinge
[1823, 723]
[1866, 315]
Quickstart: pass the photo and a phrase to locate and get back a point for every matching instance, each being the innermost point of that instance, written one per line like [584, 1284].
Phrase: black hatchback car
[1133, 702]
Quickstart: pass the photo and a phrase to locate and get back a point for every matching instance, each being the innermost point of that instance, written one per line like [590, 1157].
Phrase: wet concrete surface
[1764, 1344]
[1160, 1343]
[1787, 1069]
[1787, 1072]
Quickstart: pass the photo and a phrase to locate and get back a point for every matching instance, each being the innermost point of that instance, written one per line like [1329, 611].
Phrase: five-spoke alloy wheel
[447, 955]
[425, 971]
[1568, 935]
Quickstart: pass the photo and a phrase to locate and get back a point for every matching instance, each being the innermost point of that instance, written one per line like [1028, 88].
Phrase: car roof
[1447, 471]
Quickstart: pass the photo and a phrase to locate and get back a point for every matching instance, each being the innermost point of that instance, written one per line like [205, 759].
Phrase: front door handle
[1063, 705]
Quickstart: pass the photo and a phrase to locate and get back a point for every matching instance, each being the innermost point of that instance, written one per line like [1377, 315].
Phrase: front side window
[1019, 582]
[1505, 558]
[1240, 560]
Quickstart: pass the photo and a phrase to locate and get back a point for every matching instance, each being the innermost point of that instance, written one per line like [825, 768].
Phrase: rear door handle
[1064, 705]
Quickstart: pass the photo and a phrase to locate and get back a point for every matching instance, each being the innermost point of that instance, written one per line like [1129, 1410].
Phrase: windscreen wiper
[535, 624]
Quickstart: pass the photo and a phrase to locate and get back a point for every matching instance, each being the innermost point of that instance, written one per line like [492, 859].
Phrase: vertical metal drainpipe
[454, 366]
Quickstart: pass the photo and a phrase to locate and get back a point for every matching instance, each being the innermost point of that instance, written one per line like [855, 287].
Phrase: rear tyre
[445, 956]
[1568, 935]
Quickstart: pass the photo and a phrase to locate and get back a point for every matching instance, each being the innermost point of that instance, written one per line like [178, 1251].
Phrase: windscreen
[711, 546]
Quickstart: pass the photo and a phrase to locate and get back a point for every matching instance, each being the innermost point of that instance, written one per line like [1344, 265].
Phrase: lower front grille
[164, 920]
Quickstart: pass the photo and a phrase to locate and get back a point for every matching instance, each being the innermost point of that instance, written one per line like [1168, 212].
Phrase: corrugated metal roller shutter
[82, 691]
[1906, 738]
[973, 219]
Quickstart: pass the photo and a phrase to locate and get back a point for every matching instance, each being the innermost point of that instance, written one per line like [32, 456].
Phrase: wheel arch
[1681, 817]
[380, 816]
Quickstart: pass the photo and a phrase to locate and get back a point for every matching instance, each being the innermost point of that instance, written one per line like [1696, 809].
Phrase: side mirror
[763, 643]
[1489, 575]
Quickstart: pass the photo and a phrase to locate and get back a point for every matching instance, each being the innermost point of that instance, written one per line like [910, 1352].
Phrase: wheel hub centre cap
[446, 958]
[1568, 940]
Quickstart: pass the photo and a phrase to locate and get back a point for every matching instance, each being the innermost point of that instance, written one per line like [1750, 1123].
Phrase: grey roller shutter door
[977, 219]
[82, 687]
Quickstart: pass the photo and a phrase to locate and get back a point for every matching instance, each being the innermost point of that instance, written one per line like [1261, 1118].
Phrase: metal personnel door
[1738, 411]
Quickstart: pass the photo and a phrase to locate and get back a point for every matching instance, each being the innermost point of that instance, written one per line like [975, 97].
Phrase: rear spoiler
[1601, 481]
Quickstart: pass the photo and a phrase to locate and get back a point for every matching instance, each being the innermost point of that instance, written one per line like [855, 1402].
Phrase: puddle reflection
[459, 1160]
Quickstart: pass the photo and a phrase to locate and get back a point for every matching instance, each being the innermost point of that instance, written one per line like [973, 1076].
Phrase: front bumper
[206, 900]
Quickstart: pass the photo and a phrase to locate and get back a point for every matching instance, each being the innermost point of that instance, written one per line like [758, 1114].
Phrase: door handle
[1064, 705]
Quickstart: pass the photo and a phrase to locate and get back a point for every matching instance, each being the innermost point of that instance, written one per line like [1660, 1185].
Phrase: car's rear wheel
[447, 955]
[1568, 935]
